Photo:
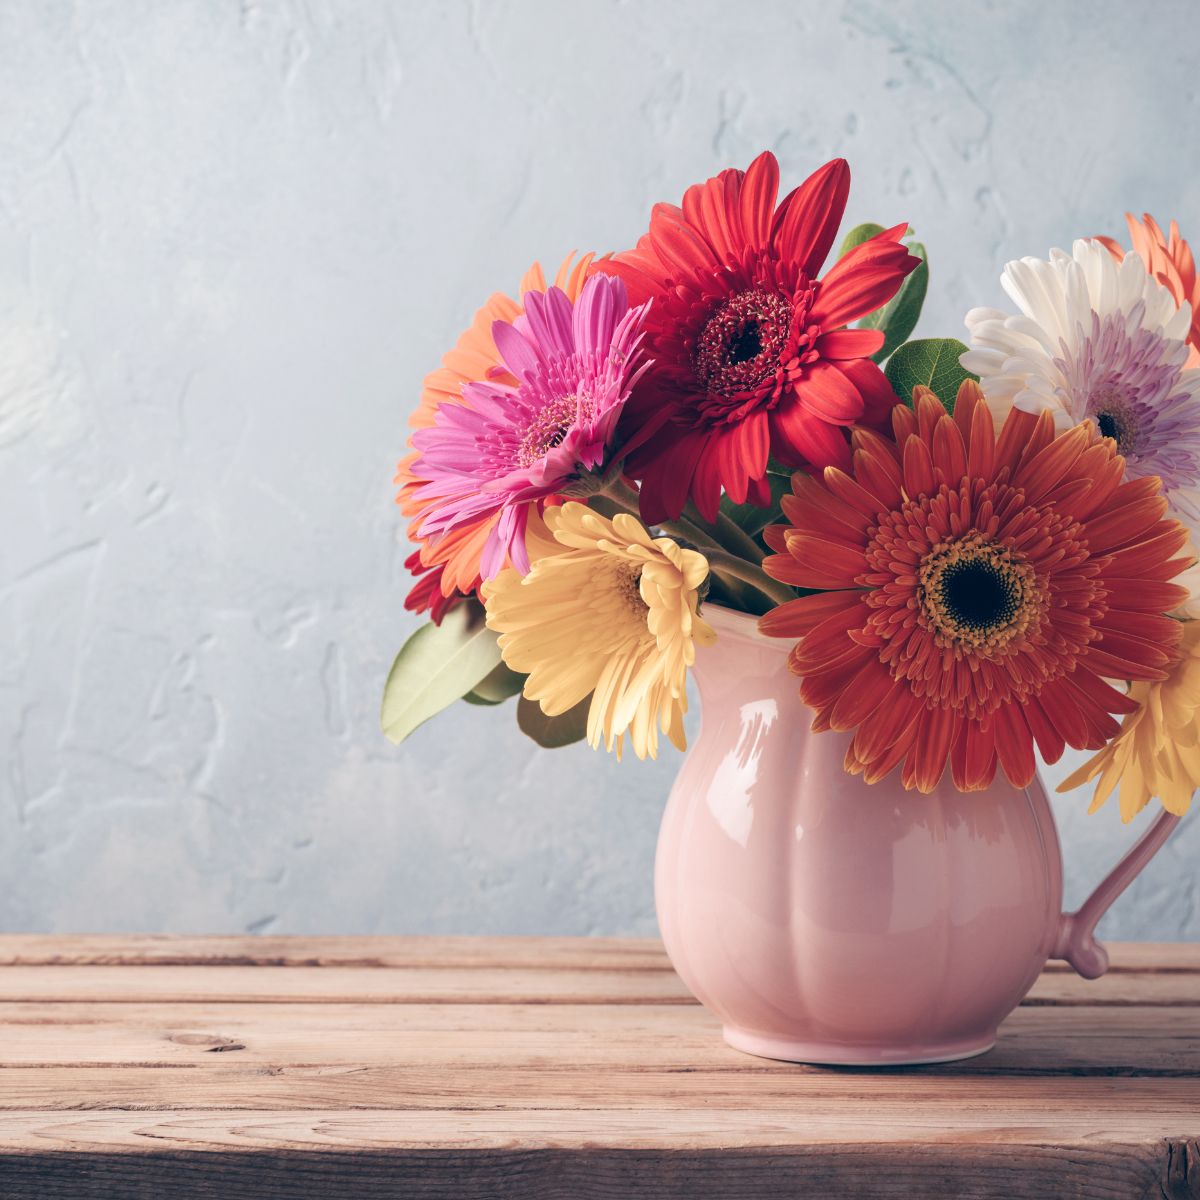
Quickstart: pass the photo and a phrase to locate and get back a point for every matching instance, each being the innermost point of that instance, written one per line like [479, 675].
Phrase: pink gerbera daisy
[507, 448]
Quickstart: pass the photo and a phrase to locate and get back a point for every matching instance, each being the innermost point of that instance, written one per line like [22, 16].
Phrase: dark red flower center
[740, 346]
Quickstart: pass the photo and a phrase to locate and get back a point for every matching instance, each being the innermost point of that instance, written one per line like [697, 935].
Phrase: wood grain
[450, 1155]
[477, 985]
[1120, 1170]
[1145, 1105]
[510, 953]
[517, 953]
[553, 1068]
[1035, 1040]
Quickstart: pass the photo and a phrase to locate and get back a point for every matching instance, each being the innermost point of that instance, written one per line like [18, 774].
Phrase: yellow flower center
[549, 426]
[628, 587]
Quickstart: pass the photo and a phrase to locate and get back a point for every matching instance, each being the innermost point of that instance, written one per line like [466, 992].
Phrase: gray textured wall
[232, 239]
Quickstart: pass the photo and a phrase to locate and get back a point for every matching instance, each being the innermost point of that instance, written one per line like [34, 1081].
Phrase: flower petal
[863, 279]
[808, 219]
[827, 393]
[759, 190]
[849, 343]
[799, 437]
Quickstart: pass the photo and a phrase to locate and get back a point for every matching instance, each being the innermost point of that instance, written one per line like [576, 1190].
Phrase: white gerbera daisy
[1101, 340]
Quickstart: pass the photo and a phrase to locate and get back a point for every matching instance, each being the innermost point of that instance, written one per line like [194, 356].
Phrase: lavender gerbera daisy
[1100, 339]
[507, 449]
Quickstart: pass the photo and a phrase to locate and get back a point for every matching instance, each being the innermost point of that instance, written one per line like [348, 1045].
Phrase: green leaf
[858, 235]
[496, 687]
[898, 317]
[436, 666]
[931, 363]
[552, 732]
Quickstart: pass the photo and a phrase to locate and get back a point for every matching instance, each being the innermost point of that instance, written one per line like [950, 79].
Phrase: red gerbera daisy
[751, 354]
[426, 594]
[981, 588]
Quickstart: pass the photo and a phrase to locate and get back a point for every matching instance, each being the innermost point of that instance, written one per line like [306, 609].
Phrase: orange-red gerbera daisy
[1170, 261]
[751, 354]
[977, 589]
[447, 566]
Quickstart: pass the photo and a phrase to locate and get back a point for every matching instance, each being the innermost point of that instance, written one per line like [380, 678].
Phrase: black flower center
[1112, 410]
[746, 344]
[1116, 424]
[976, 594]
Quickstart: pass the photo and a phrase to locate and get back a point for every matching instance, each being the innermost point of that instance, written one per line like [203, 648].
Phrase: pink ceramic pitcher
[824, 920]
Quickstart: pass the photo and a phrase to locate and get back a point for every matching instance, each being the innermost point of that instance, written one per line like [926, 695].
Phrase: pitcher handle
[1076, 941]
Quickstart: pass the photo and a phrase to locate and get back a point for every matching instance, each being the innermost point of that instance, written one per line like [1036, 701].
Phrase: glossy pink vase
[824, 920]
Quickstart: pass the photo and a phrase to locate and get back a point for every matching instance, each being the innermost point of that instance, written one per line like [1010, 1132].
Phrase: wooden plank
[517, 953]
[1104, 1119]
[1167, 988]
[733, 1154]
[476, 985]
[1147, 1042]
[511, 953]
[340, 985]
[553, 1068]
[1144, 956]
[230, 1086]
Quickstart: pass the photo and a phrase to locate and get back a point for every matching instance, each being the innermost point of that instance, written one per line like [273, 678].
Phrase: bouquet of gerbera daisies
[978, 553]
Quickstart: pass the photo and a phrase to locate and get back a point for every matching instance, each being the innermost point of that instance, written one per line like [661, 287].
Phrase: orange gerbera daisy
[447, 567]
[976, 591]
[1169, 260]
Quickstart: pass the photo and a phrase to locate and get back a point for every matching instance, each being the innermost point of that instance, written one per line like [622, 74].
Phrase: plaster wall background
[233, 237]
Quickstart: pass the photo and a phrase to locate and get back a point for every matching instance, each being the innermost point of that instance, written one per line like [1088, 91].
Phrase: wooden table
[553, 1069]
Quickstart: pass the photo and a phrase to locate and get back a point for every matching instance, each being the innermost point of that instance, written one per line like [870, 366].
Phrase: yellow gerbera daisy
[608, 611]
[1157, 752]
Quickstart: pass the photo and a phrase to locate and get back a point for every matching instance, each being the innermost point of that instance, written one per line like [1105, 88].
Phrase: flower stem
[694, 533]
[728, 533]
[619, 492]
[722, 559]
[725, 563]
